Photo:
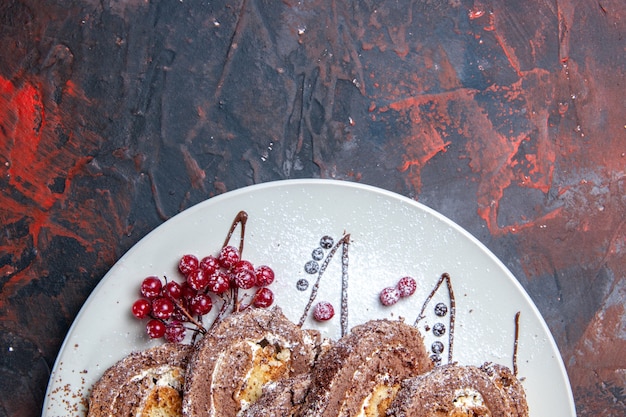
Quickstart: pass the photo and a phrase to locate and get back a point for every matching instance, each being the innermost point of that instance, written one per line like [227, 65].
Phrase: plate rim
[307, 182]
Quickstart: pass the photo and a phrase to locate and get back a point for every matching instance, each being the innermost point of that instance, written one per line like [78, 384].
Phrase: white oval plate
[391, 236]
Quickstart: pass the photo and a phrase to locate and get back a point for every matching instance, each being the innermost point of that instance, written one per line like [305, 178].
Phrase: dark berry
[244, 279]
[406, 286]
[441, 309]
[186, 291]
[228, 257]
[155, 328]
[317, 254]
[437, 347]
[187, 264]
[209, 264]
[175, 333]
[263, 298]
[323, 311]
[174, 290]
[311, 267]
[439, 329]
[436, 359]
[200, 304]
[264, 276]
[141, 308]
[326, 242]
[219, 283]
[162, 308]
[389, 296]
[151, 287]
[302, 284]
[198, 280]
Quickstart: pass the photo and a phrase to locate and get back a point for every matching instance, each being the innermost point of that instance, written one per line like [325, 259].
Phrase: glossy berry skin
[174, 290]
[243, 265]
[209, 264]
[263, 298]
[323, 311]
[141, 308]
[155, 328]
[264, 276]
[198, 280]
[218, 283]
[187, 264]
[162, 308]
[175, 333]
[389, 296]
[244, 279]
[228, 257]
[406, 286]
[200, 304]
[151, 287]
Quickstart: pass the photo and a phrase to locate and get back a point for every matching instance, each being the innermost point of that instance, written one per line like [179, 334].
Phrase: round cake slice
[452, 390]
[146, 383]
[241, 355]
[361, 373]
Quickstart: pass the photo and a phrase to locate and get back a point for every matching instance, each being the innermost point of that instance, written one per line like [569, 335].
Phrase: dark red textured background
[508, 117]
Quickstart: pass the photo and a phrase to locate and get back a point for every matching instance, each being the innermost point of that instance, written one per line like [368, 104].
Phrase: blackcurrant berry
[439, 329]
[311, 267]
[441, 309]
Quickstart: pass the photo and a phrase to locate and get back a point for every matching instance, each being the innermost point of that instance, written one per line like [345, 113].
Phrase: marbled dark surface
[508, 117]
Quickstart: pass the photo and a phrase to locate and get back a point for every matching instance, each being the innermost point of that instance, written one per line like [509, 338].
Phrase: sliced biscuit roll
[241, 355]
[453, 390]
[147, 383]
[361, 373]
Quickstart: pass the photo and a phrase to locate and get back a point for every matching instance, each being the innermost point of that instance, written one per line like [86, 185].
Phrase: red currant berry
[389, 296]
[151, 287]
[406, 286]
[200, 304]
[197, 280]
[178, 314]
[219, 283]
[263, 298]
[209, 264]
[244, 279]
[186, 291]
[243, 265]
[228, 257]
[155, 328]
[175, 333]
[187, 264]
[323, 311]
[264, 276]
[162, 308]
[141, 308]
[174, 290]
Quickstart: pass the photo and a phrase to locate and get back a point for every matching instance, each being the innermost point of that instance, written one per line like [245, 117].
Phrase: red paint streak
[430, 126]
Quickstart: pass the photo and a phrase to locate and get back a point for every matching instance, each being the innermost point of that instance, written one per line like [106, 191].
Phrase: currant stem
[192, 319]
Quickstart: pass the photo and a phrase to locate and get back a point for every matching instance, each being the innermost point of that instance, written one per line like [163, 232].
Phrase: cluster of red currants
[170, 305]
[405, 287]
